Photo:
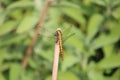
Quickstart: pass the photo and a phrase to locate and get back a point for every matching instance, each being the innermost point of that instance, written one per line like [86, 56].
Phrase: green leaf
[2, 77]
[108, 50]
[13, 56]
[99, 2]
[16, 14]
[46, 54]
[4, 67]
[32, 63]
[116, 13]
[115, 3]
[2, 16]
[27, 23]
[7, 27]
[75, 13]
[116, 75]
[104, 40]
[93, 26]
[20, 4]
[116, 30]
[76, 40]
[65, 76]
[11, 38]
[114, 27]
[69, 61]
[2, 55]
[69, 4]
[15, 71]
[110, 62]
[95, 75]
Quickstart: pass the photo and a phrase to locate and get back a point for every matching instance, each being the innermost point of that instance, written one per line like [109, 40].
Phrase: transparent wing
[48, 33]
[64, 39]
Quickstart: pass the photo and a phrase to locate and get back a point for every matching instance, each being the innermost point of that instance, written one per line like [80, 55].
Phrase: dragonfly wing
[66, 38]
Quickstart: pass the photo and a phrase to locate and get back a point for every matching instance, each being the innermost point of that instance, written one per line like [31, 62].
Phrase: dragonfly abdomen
[59, 37]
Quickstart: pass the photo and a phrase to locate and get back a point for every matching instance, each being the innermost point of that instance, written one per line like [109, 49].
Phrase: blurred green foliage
[93, 53]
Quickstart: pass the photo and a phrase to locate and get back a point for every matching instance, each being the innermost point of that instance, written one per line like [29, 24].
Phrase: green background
[93, 53]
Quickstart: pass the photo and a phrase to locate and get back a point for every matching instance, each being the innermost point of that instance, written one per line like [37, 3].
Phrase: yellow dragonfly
[60, 37]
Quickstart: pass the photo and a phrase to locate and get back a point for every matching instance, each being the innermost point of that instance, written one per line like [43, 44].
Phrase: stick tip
[59, 29]
[50, 1]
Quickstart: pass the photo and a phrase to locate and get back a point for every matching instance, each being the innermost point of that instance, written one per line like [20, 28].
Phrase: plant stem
[41, 20]
[56, 60]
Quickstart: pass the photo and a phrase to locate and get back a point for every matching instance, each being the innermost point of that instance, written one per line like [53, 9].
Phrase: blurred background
[92, 53]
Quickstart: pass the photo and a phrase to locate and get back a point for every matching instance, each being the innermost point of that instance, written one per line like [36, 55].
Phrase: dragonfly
[60, 39]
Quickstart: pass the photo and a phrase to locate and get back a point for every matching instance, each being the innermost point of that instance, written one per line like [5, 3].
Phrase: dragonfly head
[58, 29]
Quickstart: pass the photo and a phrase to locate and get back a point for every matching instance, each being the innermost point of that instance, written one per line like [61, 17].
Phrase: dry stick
[29, 50]
[56, 58]
[55, 63]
